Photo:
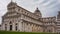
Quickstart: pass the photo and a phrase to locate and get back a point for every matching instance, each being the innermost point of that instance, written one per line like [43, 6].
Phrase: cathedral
[20, 19]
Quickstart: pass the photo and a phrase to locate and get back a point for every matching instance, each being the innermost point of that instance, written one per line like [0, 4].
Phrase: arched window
[5, 26]
[16, 27]
[10, 22]
[16, 24]
[18, 9]
[26, 23]
[49, 30]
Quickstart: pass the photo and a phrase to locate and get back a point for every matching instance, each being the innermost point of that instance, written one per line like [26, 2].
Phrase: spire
[58, 16]
[11, 1]
[59, 12]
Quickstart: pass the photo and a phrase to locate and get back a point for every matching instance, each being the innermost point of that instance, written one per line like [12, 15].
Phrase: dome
[37, 12]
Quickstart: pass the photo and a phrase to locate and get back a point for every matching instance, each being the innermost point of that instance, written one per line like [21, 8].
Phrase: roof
[48, 19]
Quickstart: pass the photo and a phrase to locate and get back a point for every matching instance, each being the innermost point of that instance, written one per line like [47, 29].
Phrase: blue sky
[47, 7]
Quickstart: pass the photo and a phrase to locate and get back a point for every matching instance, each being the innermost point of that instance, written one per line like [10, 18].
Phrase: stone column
[13, 27]
[20, 25]
[8, 26]
[3, 26]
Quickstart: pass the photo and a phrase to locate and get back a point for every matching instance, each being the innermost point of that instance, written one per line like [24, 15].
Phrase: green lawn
[11, 32]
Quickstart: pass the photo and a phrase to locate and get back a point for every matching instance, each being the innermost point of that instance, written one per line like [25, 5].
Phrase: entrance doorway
[10, 27]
